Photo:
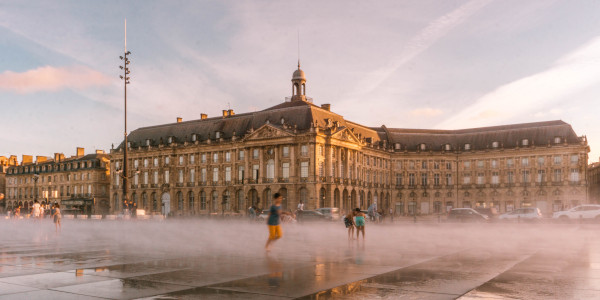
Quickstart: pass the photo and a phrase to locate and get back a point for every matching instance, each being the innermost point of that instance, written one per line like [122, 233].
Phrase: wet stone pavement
[218, 260]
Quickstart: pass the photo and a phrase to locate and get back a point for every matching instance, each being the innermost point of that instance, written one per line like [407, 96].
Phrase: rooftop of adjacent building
[57, 158]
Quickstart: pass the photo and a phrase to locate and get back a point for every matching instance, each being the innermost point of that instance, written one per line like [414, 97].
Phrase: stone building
[5, 162]
[80, 184]
[594, 182]
[309, 153]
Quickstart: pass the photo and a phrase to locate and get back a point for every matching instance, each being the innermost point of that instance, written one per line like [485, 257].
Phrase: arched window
[267, 197]
[191, 201]
[202, 200]
[215, 201]
[144, 200]
[270, 169]
[226, 200]
[240, 198]
[154, 202]
[179, 201]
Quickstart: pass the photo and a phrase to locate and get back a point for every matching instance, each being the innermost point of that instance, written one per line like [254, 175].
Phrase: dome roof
[298, 74]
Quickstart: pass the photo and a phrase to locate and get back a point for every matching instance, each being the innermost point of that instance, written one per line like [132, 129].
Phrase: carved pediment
[345, 135]
[267, 131]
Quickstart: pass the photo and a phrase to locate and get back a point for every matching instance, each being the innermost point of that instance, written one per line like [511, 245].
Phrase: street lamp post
[125, 78]
[35, 180]
[125, 178]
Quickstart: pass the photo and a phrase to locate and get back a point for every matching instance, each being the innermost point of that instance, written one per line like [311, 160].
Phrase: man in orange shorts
[274, 220]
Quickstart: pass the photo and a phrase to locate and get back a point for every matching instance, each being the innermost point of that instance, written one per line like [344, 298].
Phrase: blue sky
[409, 64]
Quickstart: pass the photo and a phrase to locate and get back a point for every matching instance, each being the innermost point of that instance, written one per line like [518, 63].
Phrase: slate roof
[301, 115]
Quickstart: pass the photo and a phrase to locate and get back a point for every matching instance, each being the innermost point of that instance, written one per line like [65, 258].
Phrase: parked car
[332, 213]
[491, 212]
[527, 213]
[587, 211]
[466, 215]
[310, 215]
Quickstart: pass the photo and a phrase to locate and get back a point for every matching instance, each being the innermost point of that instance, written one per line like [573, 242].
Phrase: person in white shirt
[35, 210]
[301, 206]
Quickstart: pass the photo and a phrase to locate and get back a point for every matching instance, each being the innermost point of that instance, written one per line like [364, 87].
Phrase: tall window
[228, 174]
[241, 174]
[203, 158]
[146, 177]
[557, 160]
[215, 176]
[480, 178]
[304, 150]
[179, 201]
[574, 175]
[304, 169]
[155, 177]
[448, 179]
[286, 151]
[180, 177]
[145, 162]
[166, 179]
[255, 171]
[241, 155]
[510, 176]
[203, 175]
[202, 200]
[192, 159]
[574, 159]
[321, 169]
[215, 157]
[255, 153]
[525, 176]
[228, 156]
[398, 178]
[495, 178]
[436, 179]
[156, 161]
[215, 201]
[540, 161]
[411, 179]
[191, 203]
[494, 163]
[510, 163]
[423, 179]
[167, 159]
[541, 176]
[467, 178]
[192, 175]
[181, 162]
[525, 162]
[557, 175]
[286, 170]
[467, 165]
[270, 169]
[480, 164]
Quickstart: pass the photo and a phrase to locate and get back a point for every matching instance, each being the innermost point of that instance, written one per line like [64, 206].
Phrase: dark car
[466, 215]
[310, 215]
[491, 212]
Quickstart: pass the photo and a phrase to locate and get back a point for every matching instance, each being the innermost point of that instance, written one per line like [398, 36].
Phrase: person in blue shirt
[274, 220]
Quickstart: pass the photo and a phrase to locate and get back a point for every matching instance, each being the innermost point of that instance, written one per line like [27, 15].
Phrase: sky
[406, 64]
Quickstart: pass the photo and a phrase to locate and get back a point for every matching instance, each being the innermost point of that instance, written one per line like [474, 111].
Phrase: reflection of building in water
[594, 182]
[81, 180]
[309, 153]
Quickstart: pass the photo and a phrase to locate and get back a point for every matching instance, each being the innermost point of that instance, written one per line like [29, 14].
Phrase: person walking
[273, 221]
[349, 222]
[301, 205]
[35, 210]
[360, 223]
[57, 216]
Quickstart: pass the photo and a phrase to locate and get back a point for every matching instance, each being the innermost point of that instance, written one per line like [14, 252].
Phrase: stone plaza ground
[211, 259]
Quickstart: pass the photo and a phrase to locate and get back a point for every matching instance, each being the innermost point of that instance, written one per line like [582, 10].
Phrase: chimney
[80, 151]
[56, 157]
[203, 116]
[224, 113]
[179, 119]
[27, 159]
[230, 112]
[326, 106]
[99, 151]
[40, 159]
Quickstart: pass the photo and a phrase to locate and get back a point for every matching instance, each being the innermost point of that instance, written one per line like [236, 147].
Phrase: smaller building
[594, 182]
[80, 183]
[5, 162]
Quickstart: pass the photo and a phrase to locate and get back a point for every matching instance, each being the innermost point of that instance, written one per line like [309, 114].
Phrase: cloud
[51, 79]
[570, 74]
[422, 41]
[426, 112]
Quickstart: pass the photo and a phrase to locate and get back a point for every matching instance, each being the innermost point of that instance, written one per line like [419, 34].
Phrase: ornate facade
[594, 182]
[309, 153]
[80, 184]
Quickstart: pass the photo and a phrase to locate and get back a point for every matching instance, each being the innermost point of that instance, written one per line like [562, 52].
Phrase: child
[349, 222]
[57, 217]
[360, 223]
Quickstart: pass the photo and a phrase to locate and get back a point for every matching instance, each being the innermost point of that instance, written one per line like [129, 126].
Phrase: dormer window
[423, 147]
[495, 145]
[128, 144]
[397, 146]
[448, 147]
[282, 121]
[467, 147]
[525, 142]
[557, 140]
[194, 137]
[218, 135]
[148, 142]
[170, 139]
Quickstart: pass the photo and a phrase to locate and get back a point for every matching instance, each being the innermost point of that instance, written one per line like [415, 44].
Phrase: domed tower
[298, 85]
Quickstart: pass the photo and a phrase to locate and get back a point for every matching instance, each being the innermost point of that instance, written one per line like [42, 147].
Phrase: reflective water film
[226, 259]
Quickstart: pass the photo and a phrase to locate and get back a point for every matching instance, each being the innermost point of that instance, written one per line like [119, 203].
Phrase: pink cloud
[51, 79]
